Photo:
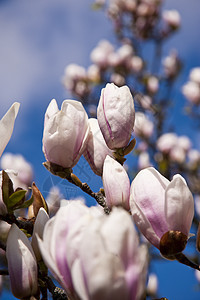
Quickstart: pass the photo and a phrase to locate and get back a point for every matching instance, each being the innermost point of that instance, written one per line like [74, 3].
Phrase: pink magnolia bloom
[22, 265]
[136, 64]
[143, 126]
[65, 133]
[159, 206]
[144, 160]
[96, 148]
[100, 54]
[53, 245]
[167, 142]
[171, 64]
[116, 115]
[92, 255]
[117, 185]
[73, 74]
[152, 84]
[191, 90]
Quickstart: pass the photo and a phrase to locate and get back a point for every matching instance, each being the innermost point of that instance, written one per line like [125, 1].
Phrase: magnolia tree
[63, 249]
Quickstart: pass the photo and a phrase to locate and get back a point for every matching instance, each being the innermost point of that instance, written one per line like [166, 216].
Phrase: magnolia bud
[22, 265]
[116, 115]
[65, 133]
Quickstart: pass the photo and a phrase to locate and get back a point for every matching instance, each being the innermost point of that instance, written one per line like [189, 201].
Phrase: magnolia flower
[53, 246]
[92, 255]
[93, 73]
[96, 148]
[73, 73]
[65, 133]
[116, 115]
[100, 54]
[191, 90]
[117, 186]
[172, 18]
[152, 84]
[143, 126]
[193, 156]
[135, 64]
[162, 210]
[22, 265]
[144, 160]
[171, 64]
[125, 52]
[195, 75]
[166, 142]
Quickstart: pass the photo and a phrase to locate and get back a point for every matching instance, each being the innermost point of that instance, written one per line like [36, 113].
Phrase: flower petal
[179, 205]
[148, 192]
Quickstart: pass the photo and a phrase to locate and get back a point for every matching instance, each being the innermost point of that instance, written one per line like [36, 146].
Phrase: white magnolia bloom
[116, 115]
[172, 18]
[65, 133]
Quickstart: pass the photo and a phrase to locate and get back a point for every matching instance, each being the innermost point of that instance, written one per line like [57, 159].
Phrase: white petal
[7, 125]
[179, 205]
[40, 222]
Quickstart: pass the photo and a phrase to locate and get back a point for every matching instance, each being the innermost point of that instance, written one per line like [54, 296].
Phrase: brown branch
[66, 173]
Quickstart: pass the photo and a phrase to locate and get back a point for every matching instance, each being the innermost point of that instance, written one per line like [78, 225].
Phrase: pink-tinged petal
[95, 259]
[143, 224]
[47, 248]
[117, 186]
[142, 267]
[79, 280]
[50, 262]
[96, 148]
[148, 192]
[179, 205]
[7, 125]
[39, 225]
[22, 265]
[66, 218]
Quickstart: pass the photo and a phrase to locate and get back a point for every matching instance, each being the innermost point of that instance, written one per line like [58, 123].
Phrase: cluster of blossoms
[142, 16]
[191, 90]
[117, 63]
[90, 253]
[174, 147]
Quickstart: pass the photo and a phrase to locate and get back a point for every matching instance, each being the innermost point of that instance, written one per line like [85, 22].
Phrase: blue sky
[38, 39]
